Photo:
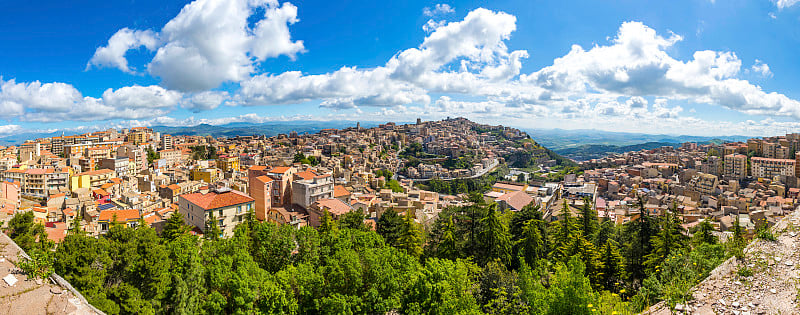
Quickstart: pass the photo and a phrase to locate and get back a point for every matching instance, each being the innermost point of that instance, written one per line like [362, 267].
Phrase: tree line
[472, 259]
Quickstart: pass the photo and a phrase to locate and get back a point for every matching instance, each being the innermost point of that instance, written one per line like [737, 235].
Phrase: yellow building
[228, 163]
[508, 188]
[90, 179]
[208, 175]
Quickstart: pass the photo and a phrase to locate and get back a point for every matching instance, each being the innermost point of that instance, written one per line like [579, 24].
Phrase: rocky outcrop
[765, 282]
[20, 295]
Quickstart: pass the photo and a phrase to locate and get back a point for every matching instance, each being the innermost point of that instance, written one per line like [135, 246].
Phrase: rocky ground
[28, 296]
[766, 282]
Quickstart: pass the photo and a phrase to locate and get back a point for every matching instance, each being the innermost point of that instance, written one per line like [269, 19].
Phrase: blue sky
[679, 67]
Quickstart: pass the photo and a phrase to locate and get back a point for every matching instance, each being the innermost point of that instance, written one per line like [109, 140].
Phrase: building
[703, 183]
[735, 167]
[768, 168]
[228, 163]
[335, 207]
[261, 191]
[282, 187]
[129, 217]
[118, 164]
[90, 179]
[228, 207]
[170, 156]
[167, 143]
[208, 175]
[308, 187]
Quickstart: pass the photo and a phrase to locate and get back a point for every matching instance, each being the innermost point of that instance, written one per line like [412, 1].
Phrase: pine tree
[589, 222]
[531, 245]
[704, 234]
[174, 227]
[668, 240]
[410, 239]
[612, 270]
[494, 238]
[448, 245]
[326, 224]
[212, 228]
[564, 235]
[638, 234]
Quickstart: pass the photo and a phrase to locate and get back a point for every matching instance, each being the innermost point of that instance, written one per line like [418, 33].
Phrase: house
[128, 217]
[335, 207]
[227, 206]
[514, 201]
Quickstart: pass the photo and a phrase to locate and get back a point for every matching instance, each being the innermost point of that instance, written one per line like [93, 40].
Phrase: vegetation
[299, 157]
[203, 152]
[472, 259]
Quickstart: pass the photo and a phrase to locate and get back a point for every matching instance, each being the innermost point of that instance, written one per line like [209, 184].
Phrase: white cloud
[440, 8]
[782, 4]
[113, 54]
[209, 42]
[207, 100]
[761, 68]
[49, 102]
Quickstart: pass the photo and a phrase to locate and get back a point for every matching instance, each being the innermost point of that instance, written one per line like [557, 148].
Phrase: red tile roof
[334, 206]
[213, 200]
[122, 215]
[280, 169]
[340, 191]
[264, 179]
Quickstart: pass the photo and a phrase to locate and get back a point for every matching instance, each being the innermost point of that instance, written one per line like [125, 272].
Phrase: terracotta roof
[280, 169]
[258, 167]
[264, 179]
[334, 206]
[122, 215]
[340, 191]
[306, 175]
[107, 185]
[516, 200]
[213, 200]
[507, 186]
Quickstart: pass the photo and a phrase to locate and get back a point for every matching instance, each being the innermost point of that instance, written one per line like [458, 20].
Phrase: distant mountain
[268, 129]
[227, 130]
[585, 144]
[594, 151]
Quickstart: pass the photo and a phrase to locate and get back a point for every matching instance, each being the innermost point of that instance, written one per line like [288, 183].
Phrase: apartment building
[91, 179]
[167, 142]
[767, 168]
[308, 187]
[703, 183]
[282, 187]
[228, 163]
[37, 182]
[228, 207]
[119, 164]
[735, 166]
[170, 156]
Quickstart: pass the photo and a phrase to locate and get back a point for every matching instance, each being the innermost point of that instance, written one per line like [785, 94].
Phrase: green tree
[638, 234]
[563, 235]
[612, 270]
[27, 233]
[389, 226]
[410, 239]
[588, 219]
[531, 245]
[668, 240]
[212, 231]
[353, 220]
[174, 228]
[704, 234]
[495, 243]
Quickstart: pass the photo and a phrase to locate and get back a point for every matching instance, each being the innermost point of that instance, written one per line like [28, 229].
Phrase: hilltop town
[137, 175]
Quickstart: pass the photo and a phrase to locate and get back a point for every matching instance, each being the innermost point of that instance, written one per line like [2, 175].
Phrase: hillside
[594, 151]
[765, 282]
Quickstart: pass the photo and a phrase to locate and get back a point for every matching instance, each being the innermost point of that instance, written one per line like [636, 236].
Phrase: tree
[389, 226]
[410, 239]
[564, 234]
[638, 234]
[26, 233]
[494, 240]
[448, 245]
[531, 245]
[612, 267]
[174, 228]
[353, 220]
[152, 155]
[588, 218]
[704, 234]
[212, 231]
[668, 240]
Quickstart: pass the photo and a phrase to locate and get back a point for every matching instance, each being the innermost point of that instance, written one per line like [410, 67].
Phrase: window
[220, 222]
[220, 212]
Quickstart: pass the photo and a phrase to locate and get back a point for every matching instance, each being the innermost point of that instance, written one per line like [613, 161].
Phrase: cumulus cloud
[439, 8]
[782, 4]
[113, 54]
[48, 102]
[476, 43]
[761, 68]
[209, 42]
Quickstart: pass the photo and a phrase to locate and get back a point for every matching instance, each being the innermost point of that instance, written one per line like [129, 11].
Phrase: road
[484, 171]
